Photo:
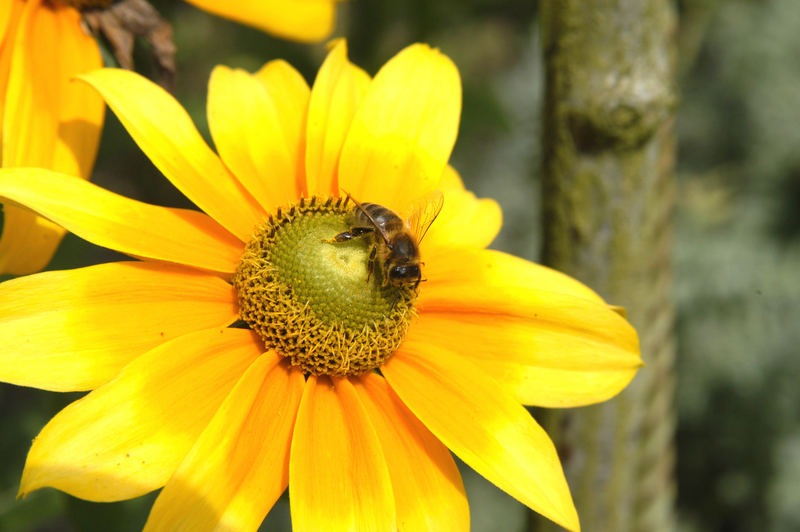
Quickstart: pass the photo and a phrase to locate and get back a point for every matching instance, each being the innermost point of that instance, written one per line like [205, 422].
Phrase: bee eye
[404, 272]
[399, 271]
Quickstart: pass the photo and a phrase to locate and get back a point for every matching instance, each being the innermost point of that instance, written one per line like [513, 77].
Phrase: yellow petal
[289, 93]
[81, 110]
[451, 180]
[240, 464]
[538, 365]
[127, 437]
[464, 221]
[445, 266]
[126, 225]
[51, 122]
[165, 133]
[28, 241]
[338, 479]
[555, 346]
[338, 91]
[432, 497]
[403, 132]
[76, 329]
[484, 426]
[9, 15]
[299, 20]
[249, 137]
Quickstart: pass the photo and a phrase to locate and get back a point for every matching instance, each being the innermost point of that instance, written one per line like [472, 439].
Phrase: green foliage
[737, 264]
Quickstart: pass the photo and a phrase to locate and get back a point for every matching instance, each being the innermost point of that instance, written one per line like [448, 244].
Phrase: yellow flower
[218, 415]
[298, 20]
[48, 121]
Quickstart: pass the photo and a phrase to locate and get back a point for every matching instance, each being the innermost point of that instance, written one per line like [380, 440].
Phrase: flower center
[317, 301]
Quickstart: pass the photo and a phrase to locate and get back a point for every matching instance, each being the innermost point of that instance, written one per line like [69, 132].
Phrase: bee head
[401, 275]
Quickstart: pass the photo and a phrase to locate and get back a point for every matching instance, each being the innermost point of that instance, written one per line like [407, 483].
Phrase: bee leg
[354, 232]
[386, 271]
[341, 237]
[371, 261]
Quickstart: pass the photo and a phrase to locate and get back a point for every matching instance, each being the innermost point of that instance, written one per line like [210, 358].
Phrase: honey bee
[395, 241]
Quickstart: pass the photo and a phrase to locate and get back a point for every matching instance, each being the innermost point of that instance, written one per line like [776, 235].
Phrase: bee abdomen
[384, 218]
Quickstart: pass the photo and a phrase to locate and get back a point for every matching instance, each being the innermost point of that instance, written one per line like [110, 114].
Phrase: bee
[395, 242]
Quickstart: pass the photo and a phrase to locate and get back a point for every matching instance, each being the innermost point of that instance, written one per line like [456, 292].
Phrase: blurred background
[736, 247]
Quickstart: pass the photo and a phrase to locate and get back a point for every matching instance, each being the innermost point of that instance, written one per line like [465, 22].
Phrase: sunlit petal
[300, 20]
[446, 265]
[337, 93]
[240, 464]
[165, 133]
[289, 93]
[126, 225]
[50, 121]
[76, 329]
[338, 478]
[484, 426]
[250, 137]
[127, 437]
[432, 497]
[558, 345]
[464, 221]
[403, 132]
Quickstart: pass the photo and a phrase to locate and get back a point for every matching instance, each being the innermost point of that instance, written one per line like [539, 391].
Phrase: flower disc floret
[315, 301]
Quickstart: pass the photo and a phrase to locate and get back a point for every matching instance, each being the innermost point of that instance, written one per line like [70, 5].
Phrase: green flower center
[315, 301]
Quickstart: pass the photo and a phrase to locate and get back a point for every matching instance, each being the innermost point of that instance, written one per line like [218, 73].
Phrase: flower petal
[249, 137]
[556, 346]
[483, 425]
[9, 17]
[165, 133]
[433, 497]
[289, 93]
[338, 479]
[50, 121]
[127, 437]
[402, 135]
[126, 225]
[537, 365]
[28, 241]
[337, 93]
[76, 329]
[240, 464]
[447, 266]
[464, 220]
[300, 20]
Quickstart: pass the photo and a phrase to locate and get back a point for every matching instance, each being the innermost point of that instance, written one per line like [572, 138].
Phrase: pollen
[315, 301]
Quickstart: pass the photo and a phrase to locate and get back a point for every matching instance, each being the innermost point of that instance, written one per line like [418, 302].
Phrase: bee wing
[424, 213]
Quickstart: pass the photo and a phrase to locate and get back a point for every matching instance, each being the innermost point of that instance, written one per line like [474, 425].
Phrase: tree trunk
[607, 202]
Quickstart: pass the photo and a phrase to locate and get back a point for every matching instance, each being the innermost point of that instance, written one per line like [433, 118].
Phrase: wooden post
[607, 204]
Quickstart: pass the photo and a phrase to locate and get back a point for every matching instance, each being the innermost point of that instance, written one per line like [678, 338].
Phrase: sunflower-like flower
[47, 121]
[266, 343]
